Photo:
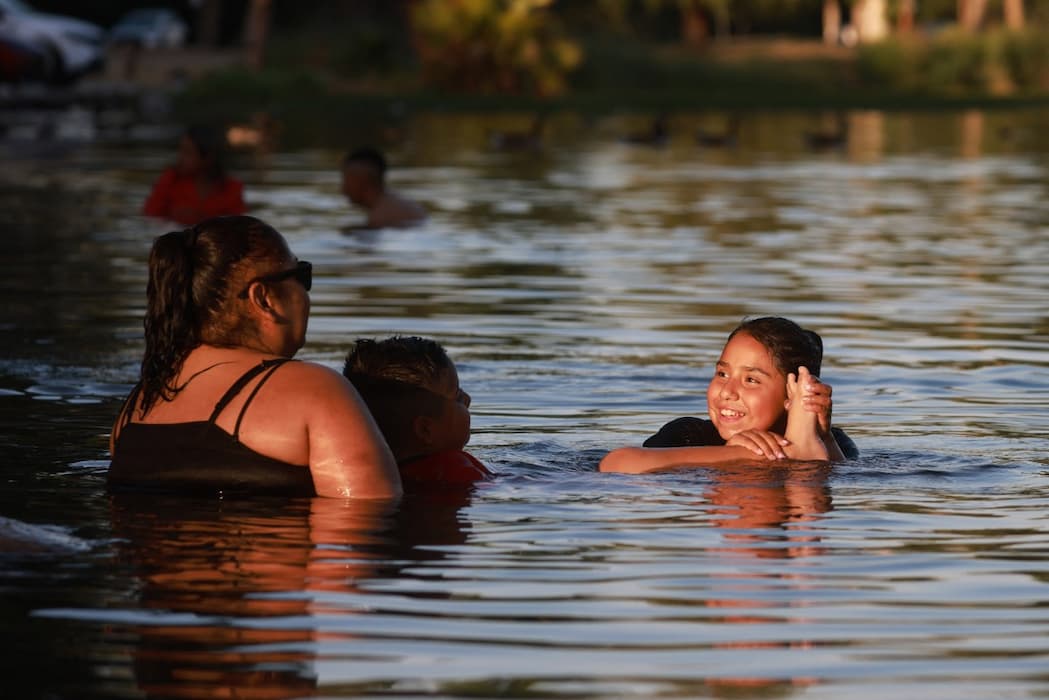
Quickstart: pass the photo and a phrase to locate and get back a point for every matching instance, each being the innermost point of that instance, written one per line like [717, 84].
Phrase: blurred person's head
[201, 151]
[363, 176]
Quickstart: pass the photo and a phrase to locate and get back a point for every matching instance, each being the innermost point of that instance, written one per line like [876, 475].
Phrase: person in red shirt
[197, 186]
[411, 387]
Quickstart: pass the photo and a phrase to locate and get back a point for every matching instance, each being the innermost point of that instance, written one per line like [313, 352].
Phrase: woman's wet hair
[191, 294]
[790, 345]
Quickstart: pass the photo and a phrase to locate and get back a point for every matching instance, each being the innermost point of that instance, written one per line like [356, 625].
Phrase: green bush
[359, 49]
[890, 64]
[958, 62]
[235, 93]
[1026, 58]
[493, 46]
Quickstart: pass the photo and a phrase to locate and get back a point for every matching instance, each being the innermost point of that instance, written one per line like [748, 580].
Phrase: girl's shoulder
[848, 447]
[686, 431]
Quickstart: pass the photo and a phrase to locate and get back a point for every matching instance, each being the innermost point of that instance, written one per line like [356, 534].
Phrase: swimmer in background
[364, 184]
[197, 186]
[765, 400]
[411, 387]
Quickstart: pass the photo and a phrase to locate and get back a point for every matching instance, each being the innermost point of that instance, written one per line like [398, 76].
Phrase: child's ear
[423, 427]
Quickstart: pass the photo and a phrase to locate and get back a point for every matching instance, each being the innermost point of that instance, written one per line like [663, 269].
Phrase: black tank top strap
[129, 405]
[270, 366]
[239, 385]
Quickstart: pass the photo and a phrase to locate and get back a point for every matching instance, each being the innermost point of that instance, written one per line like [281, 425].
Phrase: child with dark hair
[765, 399]
[197, 186]
[411, 387]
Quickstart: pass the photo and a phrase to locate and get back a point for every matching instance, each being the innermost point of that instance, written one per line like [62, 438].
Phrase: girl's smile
[747, 392]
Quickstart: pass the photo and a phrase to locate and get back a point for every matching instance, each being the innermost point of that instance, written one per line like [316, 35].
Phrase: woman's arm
[348, 456]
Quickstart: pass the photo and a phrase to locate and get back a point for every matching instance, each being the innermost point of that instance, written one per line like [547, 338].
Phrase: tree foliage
[505, 46]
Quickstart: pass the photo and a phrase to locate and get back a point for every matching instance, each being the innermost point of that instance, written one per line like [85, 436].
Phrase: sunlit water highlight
[584, 292]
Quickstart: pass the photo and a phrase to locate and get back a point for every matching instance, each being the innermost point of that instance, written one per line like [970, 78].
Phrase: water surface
[585, 292]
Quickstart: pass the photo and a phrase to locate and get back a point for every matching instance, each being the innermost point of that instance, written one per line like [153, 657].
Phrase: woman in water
[197, 186]
[764, 400]
[220, 405]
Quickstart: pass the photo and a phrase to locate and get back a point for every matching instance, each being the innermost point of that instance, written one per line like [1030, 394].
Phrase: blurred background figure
[364, 184]
[197, 186]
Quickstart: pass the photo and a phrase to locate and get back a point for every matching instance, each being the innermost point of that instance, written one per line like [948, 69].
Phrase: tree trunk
[695, 30]
[1014, 14]
[831, 21]
[869, 17]
[905, 17]
[209, 16]
[970, 14]
[256, 30]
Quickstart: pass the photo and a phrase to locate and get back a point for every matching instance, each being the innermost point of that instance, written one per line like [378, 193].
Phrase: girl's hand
[760, 442]
[816, 398]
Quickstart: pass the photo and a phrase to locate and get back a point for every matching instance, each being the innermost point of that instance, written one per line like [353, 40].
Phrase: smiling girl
[765, 400]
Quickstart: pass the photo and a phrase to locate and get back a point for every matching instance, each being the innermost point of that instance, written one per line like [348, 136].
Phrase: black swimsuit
[199, 456]
[699, 432]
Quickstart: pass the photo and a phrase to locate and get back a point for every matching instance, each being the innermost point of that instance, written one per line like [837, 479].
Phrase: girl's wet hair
[191, 294]
[790, 345]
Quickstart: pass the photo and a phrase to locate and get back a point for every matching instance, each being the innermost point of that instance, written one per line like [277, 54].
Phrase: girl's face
[190, 161]
[747, 391]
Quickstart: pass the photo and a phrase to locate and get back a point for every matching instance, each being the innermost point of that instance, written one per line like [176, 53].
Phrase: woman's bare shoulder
[311, 376]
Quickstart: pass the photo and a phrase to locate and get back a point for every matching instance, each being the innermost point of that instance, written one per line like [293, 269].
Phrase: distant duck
[721, 139]
[530, 140]
[657, 134]
[824, 140]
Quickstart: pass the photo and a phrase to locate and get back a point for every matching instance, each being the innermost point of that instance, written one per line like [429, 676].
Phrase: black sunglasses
[303, 272]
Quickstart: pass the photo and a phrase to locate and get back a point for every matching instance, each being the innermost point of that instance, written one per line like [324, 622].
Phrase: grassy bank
[322, 97]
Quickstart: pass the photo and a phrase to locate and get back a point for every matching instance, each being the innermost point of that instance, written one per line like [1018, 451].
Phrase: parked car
[71, 46]
[20, 62]
[150, 28]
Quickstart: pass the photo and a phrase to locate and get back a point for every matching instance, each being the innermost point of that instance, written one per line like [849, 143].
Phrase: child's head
[412, 389]
[749, 387]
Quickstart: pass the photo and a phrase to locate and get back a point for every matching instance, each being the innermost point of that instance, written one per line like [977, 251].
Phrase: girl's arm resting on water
[348, 456]
[635, 460]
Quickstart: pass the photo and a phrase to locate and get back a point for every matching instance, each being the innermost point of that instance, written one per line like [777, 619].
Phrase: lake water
[585, 292]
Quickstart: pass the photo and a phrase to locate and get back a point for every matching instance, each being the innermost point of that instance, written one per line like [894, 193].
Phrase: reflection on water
[228, 593]
[584, 292]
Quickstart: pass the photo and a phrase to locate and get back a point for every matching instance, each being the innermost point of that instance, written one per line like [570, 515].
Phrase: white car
[150, 28]
[71, 46]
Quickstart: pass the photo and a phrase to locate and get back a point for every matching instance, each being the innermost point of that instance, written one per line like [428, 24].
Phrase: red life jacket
[448, 467]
